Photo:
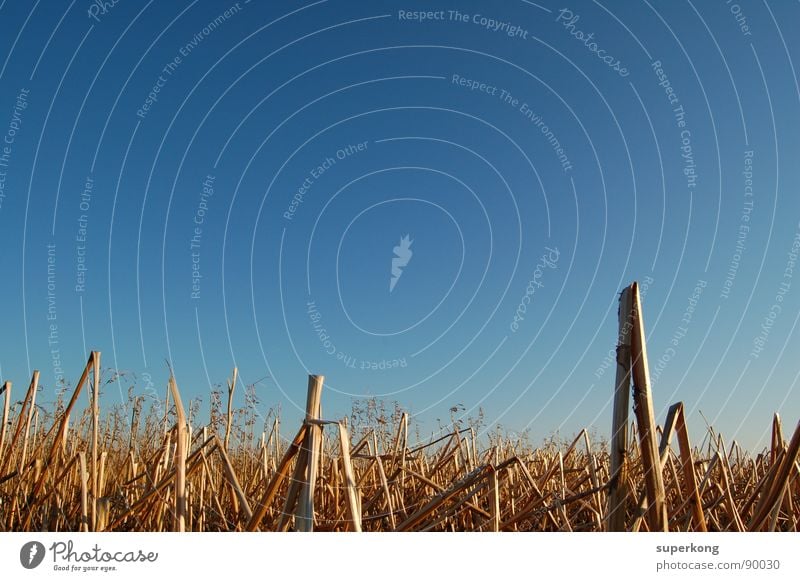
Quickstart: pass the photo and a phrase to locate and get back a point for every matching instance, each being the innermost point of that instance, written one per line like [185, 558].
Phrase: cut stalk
[179, 522]
[618, 491]
[643, 408]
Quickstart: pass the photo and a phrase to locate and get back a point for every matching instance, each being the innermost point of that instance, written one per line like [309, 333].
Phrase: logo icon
[402, 256]
[31, 554]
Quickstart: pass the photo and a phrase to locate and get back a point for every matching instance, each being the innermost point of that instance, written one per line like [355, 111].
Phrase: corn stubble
[157, 472]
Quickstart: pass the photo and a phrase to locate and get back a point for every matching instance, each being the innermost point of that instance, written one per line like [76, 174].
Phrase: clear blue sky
[217, 184]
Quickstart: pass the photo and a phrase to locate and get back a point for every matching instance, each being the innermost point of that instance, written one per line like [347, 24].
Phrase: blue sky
[217, 184]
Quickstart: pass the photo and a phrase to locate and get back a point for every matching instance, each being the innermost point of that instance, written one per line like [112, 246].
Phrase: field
[151, 466]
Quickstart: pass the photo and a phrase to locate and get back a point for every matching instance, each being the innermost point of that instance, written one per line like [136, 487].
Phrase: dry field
[159, 469]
